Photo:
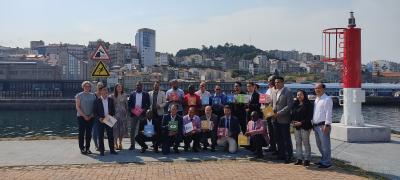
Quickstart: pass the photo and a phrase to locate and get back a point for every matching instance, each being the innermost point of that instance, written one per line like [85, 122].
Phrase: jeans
[302, 137]
[285, 147]
[324, 145]
[85, 129]
[95, 132]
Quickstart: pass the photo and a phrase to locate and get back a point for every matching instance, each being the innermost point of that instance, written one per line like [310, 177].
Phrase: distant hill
[227, 51]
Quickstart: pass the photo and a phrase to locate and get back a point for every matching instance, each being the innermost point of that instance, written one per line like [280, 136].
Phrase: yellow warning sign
[100, 70]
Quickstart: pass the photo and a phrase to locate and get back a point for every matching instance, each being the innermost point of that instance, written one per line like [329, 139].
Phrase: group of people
[204, 120]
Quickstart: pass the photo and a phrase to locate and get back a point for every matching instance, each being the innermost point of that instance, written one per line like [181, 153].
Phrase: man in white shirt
[322, 120]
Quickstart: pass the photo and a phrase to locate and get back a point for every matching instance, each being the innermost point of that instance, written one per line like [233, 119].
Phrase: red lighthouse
[352, 55]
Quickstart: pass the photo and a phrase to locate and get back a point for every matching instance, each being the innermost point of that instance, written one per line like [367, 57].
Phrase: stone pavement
[177, 170]
[377, 157]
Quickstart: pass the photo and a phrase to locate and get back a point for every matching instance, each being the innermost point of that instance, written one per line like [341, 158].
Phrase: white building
[162, 59]
[145, 41]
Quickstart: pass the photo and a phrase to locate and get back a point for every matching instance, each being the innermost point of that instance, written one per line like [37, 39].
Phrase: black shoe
[165, 153]
[317, 163]
[324, 166]
[176, 151]
[88, 152]
[270, 150]
[299, 162]
[212, 149]
[260, 156]
[275, 153]
[83, 152]
[195, 150]
[113, 152]
[287, 161]
[156, 150]
[101, 153]
[143, 149]
[131, 148]
[205, 148]
[306, 163]
[186, 149]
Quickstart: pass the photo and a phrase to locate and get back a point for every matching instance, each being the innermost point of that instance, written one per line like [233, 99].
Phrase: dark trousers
[192, 137]
[110, 137]
[256, 143]
[141, 139]
[168, 141]
[271, 134]
[206, 135]
[285, 147]
[85, 132]
[242, 122]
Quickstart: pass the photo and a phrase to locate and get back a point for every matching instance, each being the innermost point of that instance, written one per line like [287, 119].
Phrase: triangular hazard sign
[100, 53]
[100, 70]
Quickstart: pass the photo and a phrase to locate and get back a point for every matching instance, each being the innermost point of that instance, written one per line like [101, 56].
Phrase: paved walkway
[178, 170]
[383, 158]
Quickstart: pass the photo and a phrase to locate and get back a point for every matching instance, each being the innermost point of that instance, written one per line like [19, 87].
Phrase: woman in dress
[121, 114]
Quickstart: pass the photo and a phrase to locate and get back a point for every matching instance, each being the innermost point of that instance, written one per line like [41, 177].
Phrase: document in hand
[109, 120]
[137, 111]
[230, 98]
[243, 140]
[148, 130]
[205, 125]
[188, 127]
[205, 100]
[268, 111]
[222, 132]
[173, 126]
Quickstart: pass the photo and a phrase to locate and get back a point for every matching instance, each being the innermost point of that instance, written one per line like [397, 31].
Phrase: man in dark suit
[138, 104]
[211, 132]
[282, 102]
[254, 104]
[238, 109]
[171, 136]
[145, 135]
[104, 106]
[231, 123]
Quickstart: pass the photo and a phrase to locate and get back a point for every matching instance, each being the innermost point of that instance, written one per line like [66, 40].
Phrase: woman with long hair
[302, 114]
[121, 114]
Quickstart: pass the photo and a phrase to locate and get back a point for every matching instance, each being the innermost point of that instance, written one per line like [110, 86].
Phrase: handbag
[243, 140]
[148, 130]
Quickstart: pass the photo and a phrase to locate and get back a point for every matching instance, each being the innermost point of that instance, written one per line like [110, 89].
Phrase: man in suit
[138, 104]
[171, 136]
[254, 104]
[158, 101]
[282, 102]
[238, 109]
[211, 132]
[104, 106]
[231, 123]
[144, 136]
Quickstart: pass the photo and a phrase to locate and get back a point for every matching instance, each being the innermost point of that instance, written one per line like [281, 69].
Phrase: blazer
[304, 114]
[98, 108]
[155, 123]
[166, 119]
[161, 100]
[214, 119]
[254, 104]
[234, 128]
[145, 102]
[282, 105]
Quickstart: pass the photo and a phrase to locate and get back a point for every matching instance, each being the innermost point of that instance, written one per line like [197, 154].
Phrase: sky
[180, 24]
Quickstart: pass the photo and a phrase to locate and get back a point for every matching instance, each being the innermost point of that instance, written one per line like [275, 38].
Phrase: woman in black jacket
[302, 114]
